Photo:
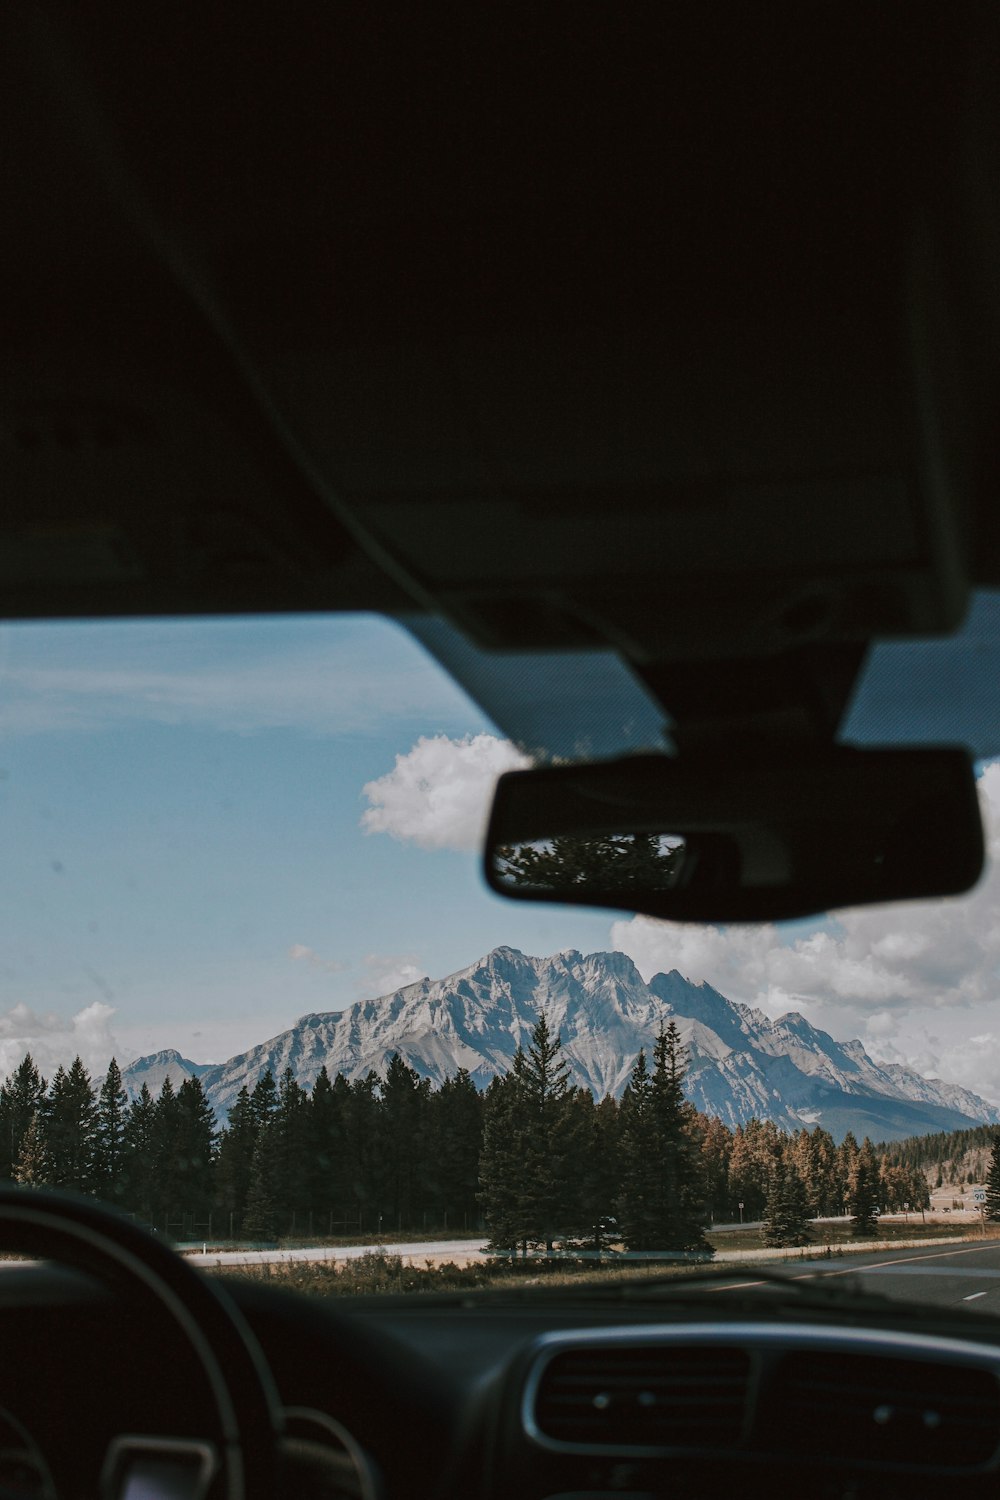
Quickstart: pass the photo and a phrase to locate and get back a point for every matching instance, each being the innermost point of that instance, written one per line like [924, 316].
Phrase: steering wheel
[79, 1233]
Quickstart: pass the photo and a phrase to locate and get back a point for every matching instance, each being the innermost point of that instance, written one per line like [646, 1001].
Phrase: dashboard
[549, 1398]
[485, 1397]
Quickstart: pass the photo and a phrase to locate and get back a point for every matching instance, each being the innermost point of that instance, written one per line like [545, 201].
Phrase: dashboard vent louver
[644, 1396]
[874, 1409]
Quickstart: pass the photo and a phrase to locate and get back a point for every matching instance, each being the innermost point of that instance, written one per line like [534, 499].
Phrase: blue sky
[180, 805]
[210, 828]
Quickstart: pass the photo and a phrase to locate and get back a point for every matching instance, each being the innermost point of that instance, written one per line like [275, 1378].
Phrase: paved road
[961, 1276]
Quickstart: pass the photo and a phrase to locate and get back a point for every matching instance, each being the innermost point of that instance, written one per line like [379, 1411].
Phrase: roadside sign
[979, 1195]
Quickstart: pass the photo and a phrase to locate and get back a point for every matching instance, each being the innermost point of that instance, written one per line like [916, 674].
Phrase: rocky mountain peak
[743, 1064]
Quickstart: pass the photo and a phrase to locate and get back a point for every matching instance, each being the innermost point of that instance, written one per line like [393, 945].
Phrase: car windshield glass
[255, 992]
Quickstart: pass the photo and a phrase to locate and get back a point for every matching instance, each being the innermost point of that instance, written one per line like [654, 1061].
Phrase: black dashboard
[491, 1397]
[549, 1398]
[553, 1397]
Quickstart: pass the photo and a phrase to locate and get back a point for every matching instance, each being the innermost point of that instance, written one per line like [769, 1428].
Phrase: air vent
[643, 1396]
[872, 1409]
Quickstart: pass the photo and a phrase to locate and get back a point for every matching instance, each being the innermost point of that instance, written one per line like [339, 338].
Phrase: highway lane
[965, 1276]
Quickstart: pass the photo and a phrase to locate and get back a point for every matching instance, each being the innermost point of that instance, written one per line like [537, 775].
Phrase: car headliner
[669, 343]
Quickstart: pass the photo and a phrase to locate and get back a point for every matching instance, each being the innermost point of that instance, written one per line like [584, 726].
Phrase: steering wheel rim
[80, 1233]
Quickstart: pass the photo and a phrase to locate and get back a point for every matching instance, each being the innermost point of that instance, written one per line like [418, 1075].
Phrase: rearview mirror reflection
[615, 861]
[758, 841]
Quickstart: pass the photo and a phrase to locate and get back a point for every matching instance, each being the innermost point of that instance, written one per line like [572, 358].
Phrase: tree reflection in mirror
[617, 862]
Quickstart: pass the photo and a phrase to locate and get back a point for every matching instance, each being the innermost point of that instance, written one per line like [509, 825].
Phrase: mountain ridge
[743, 1063]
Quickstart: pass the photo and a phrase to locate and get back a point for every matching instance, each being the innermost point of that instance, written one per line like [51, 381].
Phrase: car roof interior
[668, 334]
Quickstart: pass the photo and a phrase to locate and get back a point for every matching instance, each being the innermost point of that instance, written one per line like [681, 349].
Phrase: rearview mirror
[729, 842]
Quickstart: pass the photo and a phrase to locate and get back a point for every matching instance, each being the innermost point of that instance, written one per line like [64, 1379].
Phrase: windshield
[257, 995]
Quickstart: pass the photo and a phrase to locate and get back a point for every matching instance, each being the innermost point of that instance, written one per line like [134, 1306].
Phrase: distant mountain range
[742, 1063]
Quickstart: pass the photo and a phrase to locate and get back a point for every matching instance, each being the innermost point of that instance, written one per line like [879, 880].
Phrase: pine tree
[716, 1147]
[138, 1166]
[260, 1219]
[636, 1203]
[864, 1191]
[291, 1146]
[166, 1210]
[847, 1161]
[993, 1181]
[500, 1165]
[32, 1168]
[22, 1096]
[550, 1199]
[109, 1162]
[192, 1153]
[361, 1115]
[919, 1193]
[602, 1169]
[681, 1185]
[234, 1163]
[599, 862]
[816, 1161]
[264, 1100]
[753, 1151]
[401, 1142]
[663, 1205]
[327, 1187]
[71, 1129]
[454, 1144]
[786, 1220]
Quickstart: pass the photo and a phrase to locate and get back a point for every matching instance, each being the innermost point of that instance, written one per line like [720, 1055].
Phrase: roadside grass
[378, 1273]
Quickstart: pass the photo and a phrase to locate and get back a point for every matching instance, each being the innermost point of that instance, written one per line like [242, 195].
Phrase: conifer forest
[534, 1162]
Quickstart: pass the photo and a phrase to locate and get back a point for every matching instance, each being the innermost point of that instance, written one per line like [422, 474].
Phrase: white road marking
[972, 1296]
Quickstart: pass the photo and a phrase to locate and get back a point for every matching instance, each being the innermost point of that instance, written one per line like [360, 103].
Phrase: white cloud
[386, 972]
[938, 954]
[53, 1039]
[438, 794]
[972, 1061]
[880, 972]
[300, 954]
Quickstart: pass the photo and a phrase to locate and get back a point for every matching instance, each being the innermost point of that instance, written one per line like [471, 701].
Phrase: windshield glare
[257, 995]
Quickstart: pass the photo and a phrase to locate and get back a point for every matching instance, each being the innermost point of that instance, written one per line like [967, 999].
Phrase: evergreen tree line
[364, 1157]
[947, 1156]
[538, 1162]
[652, 1172]
[943, 1146]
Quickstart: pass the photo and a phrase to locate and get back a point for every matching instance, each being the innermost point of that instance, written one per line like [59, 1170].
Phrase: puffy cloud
[876, 961]
[386, 972]
[53, 1039]
[971, 1061]
[438, 794]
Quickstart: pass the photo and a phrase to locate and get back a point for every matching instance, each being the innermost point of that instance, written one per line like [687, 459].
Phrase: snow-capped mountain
[742, 1063]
